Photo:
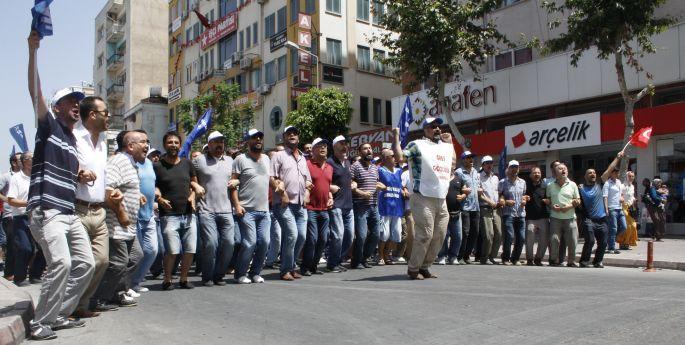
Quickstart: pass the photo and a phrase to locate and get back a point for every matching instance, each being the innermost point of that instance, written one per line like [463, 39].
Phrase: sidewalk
[16, 310]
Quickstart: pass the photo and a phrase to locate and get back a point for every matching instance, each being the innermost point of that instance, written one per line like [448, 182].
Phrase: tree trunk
[629, 103]
[447, 110]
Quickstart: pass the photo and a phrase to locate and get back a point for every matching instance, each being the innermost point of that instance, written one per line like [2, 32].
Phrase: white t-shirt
[407, 182]
[19, 189]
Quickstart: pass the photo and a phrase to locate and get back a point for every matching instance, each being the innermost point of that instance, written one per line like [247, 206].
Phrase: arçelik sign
[560, 133]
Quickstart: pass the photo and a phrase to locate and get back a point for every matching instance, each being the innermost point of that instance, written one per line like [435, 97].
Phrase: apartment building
[130, 53]
[276, 50]
[542, 109]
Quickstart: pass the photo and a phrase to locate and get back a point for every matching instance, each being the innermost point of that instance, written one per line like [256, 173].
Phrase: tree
[230, 119]
[321, 113]
[618, 29]
[439, 39]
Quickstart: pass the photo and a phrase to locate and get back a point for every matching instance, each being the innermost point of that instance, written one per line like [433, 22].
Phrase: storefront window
[671, 167]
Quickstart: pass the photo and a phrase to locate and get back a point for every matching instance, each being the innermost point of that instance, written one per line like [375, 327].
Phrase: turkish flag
[641, 137]
[518, 139]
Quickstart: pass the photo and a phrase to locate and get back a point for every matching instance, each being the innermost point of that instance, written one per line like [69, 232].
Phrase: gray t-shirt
[213, 175]
[253, 192]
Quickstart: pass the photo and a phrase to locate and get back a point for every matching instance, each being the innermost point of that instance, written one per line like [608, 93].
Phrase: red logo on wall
[518, 139]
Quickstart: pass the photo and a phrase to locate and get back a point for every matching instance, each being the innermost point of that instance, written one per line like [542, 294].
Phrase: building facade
[130, 53]
[276, 50]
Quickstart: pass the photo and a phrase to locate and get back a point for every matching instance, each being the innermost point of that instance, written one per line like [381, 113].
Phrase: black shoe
[42, 332]
[306, 273]
[616, 252]
[36, 281]
[367, 265]
[219, 283]
[186, 285]
[207, 283]
[584, 264]
[467, 261]
[22, 283]
[128, 302]
[571, 264]
[332, 269]
[598, 265]
[341, 268]
[102, 306]
[357, 267]
[537, 262]
[317, 272]
[66, 323]
[167, 286]
[554, 264]
[530, 263]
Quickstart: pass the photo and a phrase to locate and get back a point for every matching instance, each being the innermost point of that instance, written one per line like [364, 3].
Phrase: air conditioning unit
[264, 89]
[235, 57]
[245, 63]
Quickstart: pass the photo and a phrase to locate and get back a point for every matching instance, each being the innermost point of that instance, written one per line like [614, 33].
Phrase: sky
[64, 59]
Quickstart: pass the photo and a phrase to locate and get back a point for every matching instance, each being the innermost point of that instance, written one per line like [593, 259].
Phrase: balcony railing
[115, 62]
[115, 92]
[115, 32]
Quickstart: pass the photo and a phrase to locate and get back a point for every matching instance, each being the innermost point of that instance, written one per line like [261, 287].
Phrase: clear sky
[64, 59]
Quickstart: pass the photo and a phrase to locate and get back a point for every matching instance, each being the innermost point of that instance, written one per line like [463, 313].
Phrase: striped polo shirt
[54, 173]
[366, 178]
[122, 174]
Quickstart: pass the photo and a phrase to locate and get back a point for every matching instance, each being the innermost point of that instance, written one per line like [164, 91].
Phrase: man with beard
[251, 202]
[470, 214]
[290, 181]
[174, 178]
[594, 207]
[341, 215]
[365, 201]
[431, 160]
[91, 144]
[537, 218]
[54, 225]
[563, 197]
[6, 227]
[215, 211]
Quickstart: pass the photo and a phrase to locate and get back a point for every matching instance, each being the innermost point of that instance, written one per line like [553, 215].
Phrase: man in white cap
[215, 211]
[432, 161]
[54, 225]
[512, 192]
[153, 155]
[490, 214]
[341, 215]
[470, 214]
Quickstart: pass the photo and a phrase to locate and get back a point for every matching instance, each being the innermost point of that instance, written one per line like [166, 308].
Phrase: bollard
[650, 257]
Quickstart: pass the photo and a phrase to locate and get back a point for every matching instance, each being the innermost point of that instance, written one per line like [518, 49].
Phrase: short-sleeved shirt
[407, 182]
[454, 206]
[294, 174]
[536, 207]
[490, 185]
[173, 180]
[513, 191]
[322, 176]
[213, 175]
[390, 200]
[613, 190]
[593, 203]
[122, 174]
[19, 189]
[470, 179]
[343, 179]
[146, 174]
[366, 178]
[54, 174]
[93, 158]
[563, 196]
[253, 191]
[4, 187]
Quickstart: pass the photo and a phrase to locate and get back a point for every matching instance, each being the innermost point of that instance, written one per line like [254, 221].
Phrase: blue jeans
[275, 243]
[293, 221]
[147, 237]
[340, 236]
[514, 230]
[367, 230]
[317, 235]
[254, 230]
[617, 225]
[179, 231]
[450, 248]
[24, 247]
[216, 231]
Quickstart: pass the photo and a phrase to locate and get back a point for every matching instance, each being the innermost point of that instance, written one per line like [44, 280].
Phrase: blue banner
[42, 22]
[405, 121]
[200, 128]
[19, 135]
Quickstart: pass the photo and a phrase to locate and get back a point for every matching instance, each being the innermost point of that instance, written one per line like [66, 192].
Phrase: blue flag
[42, 22]
[19, 136]
[405, 121]
[172, 127]
[502, 163]
[200, 128]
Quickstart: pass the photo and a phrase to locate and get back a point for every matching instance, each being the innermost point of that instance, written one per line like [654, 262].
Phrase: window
[377, 111]
[269, 26]
[270, 72]
[188, 35]
[333, 74]
[211, 59]
[227, 46]
[101, 32]
[255, 78]
[255, 36]
[523, 55]
[364, 109]
[189, 73]
[513, 58]
[333, 6]
[388, 113]
[503, 61]
[363, 10]
[334, 52]
[294, 57]
[294, 10]
[282, 68]
[248, 35]
[226, 7]
[378, 56]
[309, 6]
[378, 11]
[241, 41]
[281, 20]
[363, 58]
[196, 30]
[101, 60]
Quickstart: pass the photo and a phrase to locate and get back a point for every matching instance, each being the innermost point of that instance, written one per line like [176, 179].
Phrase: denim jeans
[293, 221]
[340, 236]
[254, 230]
[617, 225]
[179, 233]
[452, 243]
[317, 235]
[595, 229]
[367, 230]
[9, 248]
[514, 231]
[216, 231]
[275, 242]
[149, 243]
[24, 248]
[470, 227]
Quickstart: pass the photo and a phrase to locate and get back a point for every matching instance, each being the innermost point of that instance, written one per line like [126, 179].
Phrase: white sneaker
[454, 261]
[257, 279]
[400, 259]
[441, 261]
[126, 297]
[322, 261]
[141, 289]
[132, 293]
[244, 280]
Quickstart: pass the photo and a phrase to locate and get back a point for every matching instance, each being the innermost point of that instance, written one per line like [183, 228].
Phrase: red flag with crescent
[641, 137]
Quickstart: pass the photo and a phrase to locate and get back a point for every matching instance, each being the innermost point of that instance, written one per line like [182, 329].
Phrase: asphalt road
[467, 304]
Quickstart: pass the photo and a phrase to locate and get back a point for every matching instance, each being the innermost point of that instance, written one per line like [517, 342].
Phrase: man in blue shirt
[470, 215]
[512, 191]
[390, 206]
[594, 208]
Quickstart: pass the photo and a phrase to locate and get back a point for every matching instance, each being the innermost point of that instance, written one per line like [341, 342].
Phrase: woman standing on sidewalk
[629, 237]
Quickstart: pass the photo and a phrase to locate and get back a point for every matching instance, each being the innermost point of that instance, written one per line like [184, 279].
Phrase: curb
[16, 310]
[666, 265]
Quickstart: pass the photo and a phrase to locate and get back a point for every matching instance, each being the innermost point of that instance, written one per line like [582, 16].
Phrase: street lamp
[291, 44]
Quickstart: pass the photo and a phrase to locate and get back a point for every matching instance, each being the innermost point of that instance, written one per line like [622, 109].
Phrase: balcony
[115, 92]
[116, 122]
[115, 62]
[115, 32]
[115, 7]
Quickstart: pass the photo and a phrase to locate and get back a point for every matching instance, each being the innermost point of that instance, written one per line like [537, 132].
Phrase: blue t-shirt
[390, 201]
[593, 202]
[146, 174]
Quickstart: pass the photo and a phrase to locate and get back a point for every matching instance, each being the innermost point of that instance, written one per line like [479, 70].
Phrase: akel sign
[555, 134]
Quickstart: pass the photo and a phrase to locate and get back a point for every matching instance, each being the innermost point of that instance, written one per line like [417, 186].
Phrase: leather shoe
[414, 275]
[427, 274]
[287, 277]
[296, 275]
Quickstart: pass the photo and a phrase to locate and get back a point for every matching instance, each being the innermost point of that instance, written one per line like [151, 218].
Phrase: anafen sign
[555, 134]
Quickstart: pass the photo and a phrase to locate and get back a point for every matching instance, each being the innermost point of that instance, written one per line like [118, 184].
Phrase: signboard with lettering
[304, 21]
[304, 58]
[304, 39]
[376, 138]
[278, 41]
[297, 91]
[560, 133]
[305, 77]
[175, 95]
[219, 30]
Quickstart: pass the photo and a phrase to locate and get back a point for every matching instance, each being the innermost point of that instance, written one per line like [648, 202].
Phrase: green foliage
[321, 113]
[231, 120]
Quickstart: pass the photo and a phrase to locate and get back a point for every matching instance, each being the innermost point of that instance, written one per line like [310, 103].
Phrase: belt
[90, 205]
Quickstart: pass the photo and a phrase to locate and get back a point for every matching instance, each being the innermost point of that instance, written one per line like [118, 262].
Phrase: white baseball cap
[67, 91]
[152, 150]
[338, 139]
[214, 135]
[429, 120]
[466, 154]
[486, 159]
[319, 141]
[513, 163]
[291, 128]
[252, 132]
